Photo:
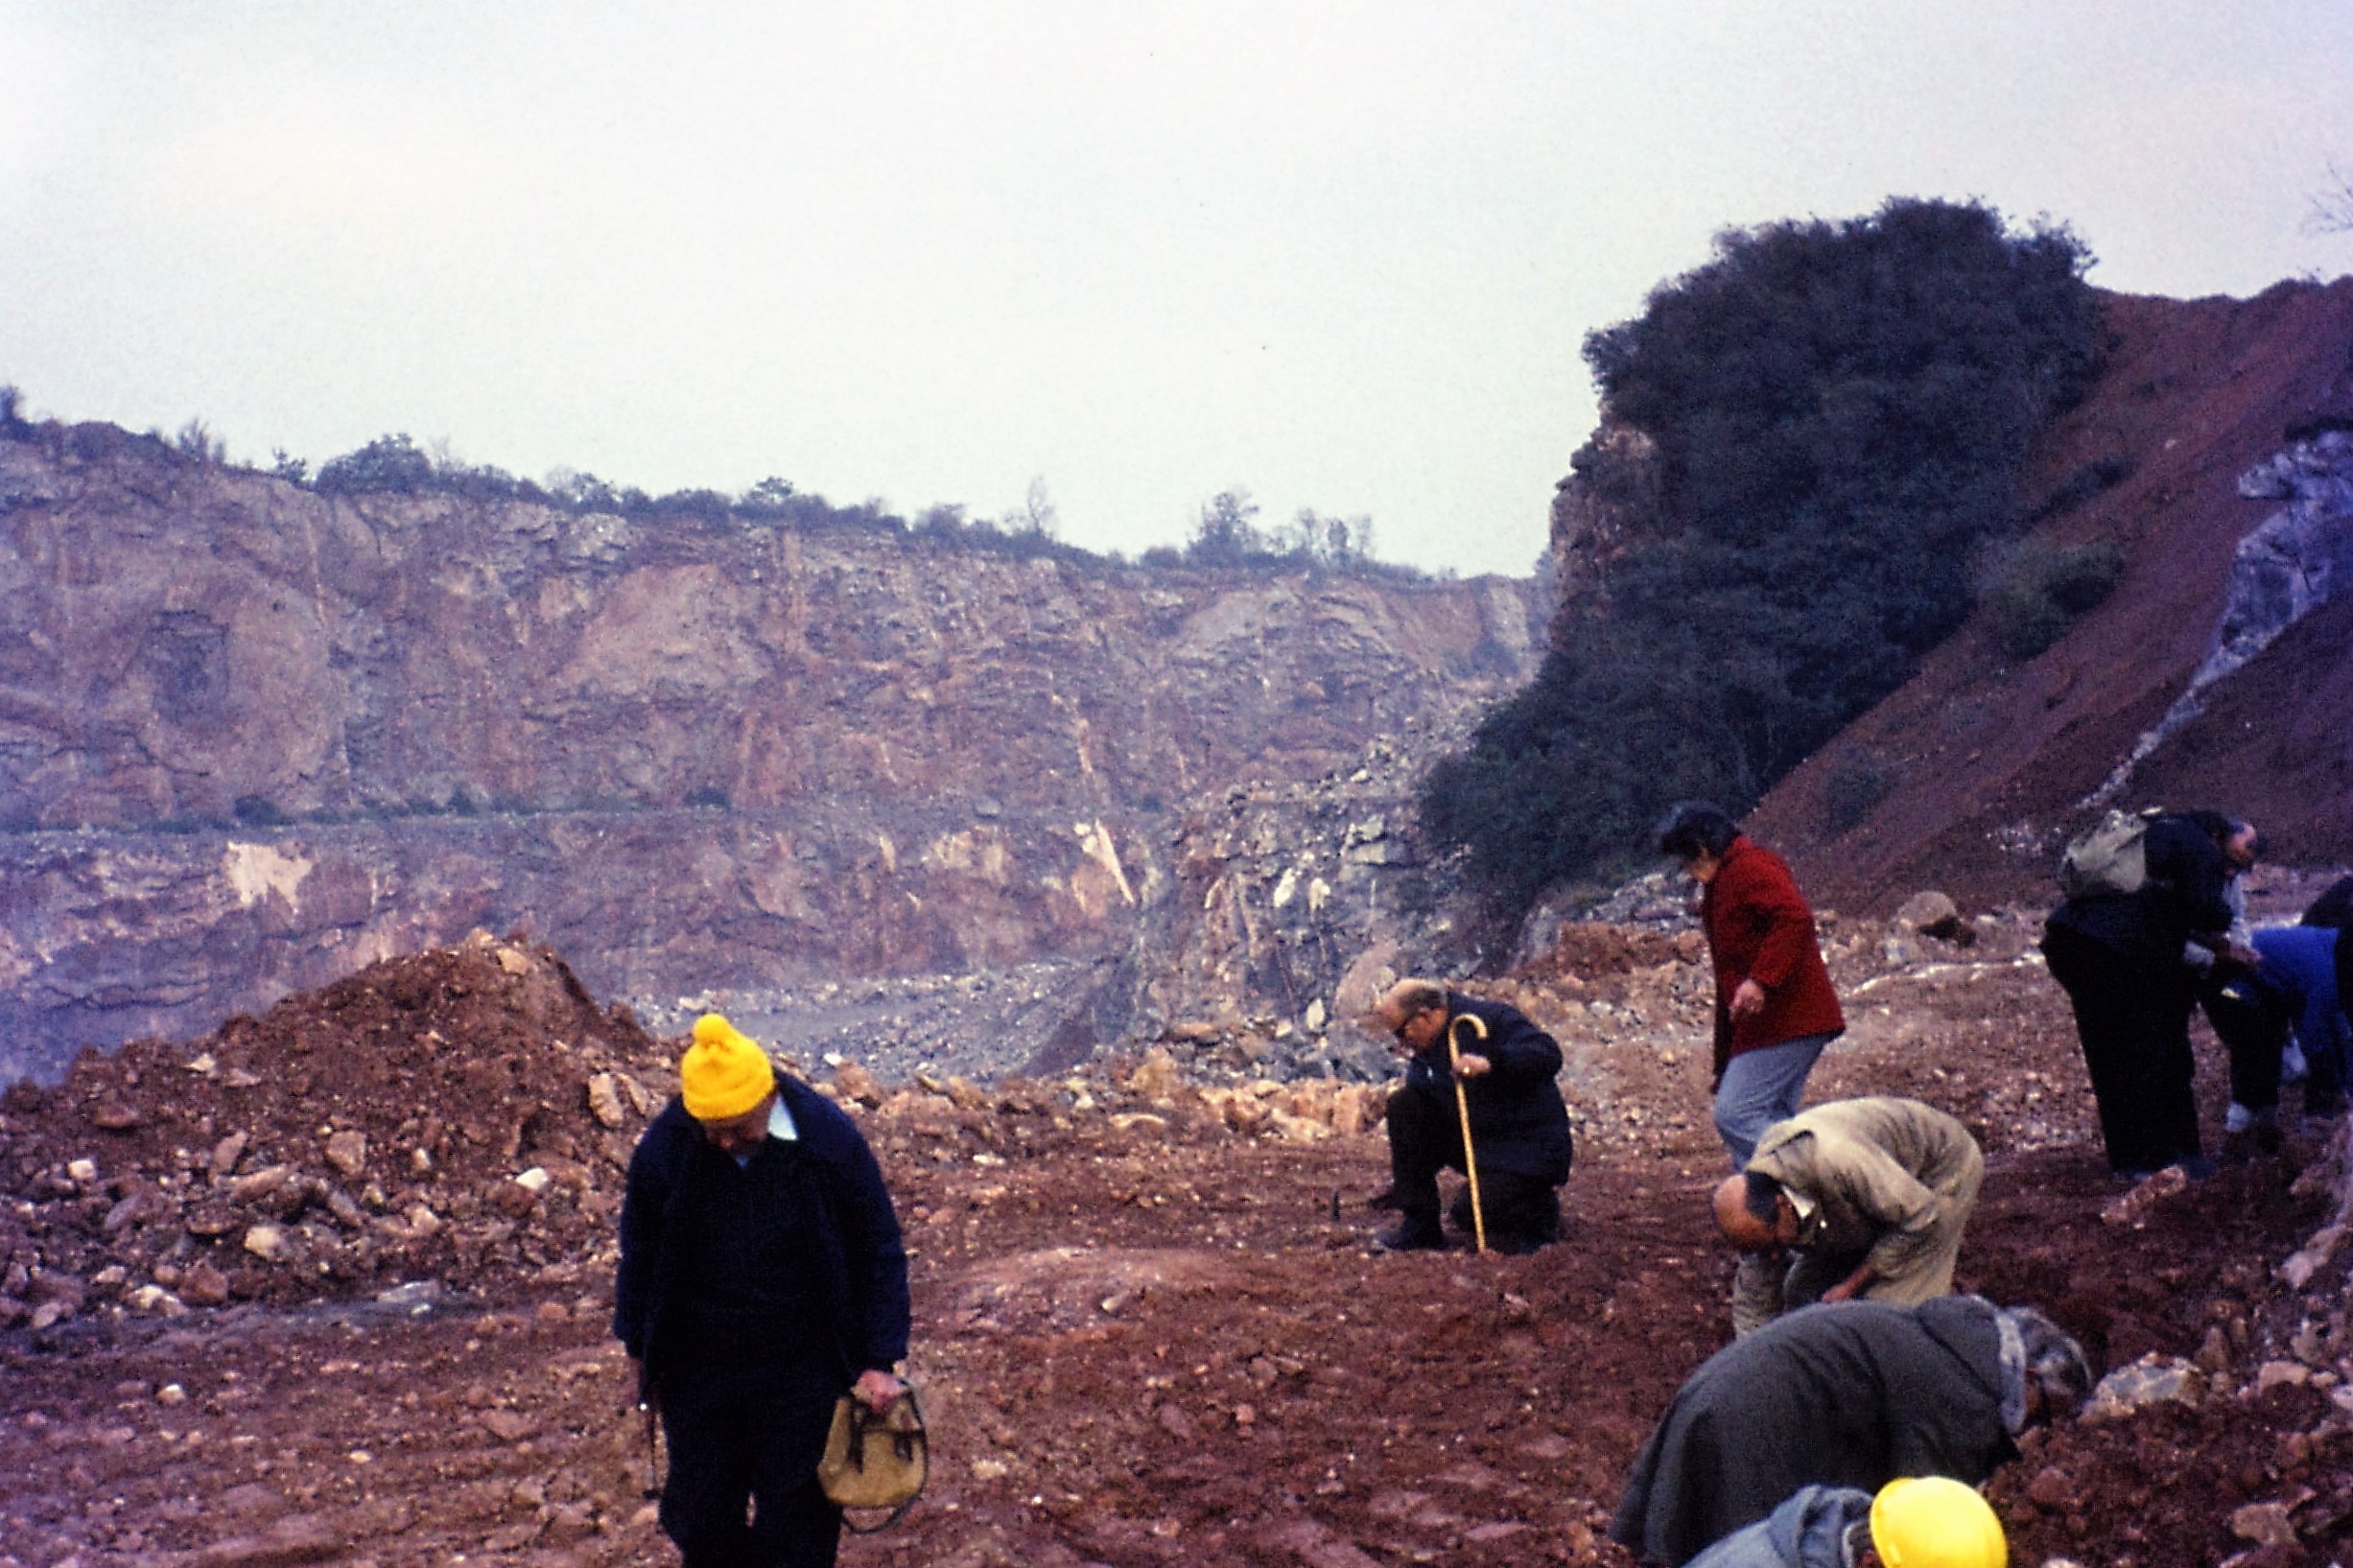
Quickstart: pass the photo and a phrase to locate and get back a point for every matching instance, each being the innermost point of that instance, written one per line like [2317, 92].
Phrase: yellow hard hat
[1936, 1522]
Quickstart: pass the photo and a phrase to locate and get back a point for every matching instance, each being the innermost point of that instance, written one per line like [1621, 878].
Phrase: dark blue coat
[2184, 893]
[1518, 1122]
[859, 1264]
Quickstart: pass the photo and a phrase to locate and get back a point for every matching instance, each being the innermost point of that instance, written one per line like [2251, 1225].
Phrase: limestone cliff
[252, 736]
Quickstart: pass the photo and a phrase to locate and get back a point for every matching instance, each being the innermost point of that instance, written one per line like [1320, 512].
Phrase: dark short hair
[1763, 1198]
[2213, 824]
[1691, 829]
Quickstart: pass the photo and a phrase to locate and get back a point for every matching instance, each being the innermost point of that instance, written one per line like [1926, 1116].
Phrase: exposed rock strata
[2292, 562]
[252, 737]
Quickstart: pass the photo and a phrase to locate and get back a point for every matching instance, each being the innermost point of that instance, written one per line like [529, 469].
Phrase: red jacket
[1758, 928]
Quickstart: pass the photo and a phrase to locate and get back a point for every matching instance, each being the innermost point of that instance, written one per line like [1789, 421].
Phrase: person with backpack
[2138, 889]
[761, 1277]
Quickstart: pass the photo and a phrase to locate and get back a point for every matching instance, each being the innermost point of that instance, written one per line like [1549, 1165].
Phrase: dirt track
[1144, 1337]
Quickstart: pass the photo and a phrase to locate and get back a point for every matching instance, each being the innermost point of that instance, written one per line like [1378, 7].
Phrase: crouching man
[1870, 1195]
[1505, 1068]
[1848, 1395]
[761, 1277]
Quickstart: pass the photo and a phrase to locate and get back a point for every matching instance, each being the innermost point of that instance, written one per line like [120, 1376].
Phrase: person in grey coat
[1851, 1393]
[1915, 1520]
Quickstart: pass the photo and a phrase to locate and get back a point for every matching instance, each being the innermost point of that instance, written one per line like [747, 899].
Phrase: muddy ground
[276, 1296]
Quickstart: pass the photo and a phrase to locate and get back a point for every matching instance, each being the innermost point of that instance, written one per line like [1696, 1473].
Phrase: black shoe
[1511, 1244]
[1412, 1236]
[2197, 1168]
[1385, 1198]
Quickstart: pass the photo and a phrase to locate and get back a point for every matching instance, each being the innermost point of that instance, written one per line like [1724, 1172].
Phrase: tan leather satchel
[876, 1461]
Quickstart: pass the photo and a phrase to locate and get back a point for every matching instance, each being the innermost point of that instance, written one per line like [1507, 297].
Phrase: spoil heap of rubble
[456, 1113]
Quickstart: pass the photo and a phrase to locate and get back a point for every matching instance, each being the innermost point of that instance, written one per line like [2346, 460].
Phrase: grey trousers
[1760, 1088]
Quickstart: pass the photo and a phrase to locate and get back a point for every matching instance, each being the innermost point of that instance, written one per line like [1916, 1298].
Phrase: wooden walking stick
[1462, 1109]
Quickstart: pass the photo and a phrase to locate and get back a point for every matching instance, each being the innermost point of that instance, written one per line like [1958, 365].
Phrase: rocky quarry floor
[332, 1286]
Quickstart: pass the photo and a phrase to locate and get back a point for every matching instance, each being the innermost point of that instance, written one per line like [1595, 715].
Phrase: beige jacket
[1888, 1178]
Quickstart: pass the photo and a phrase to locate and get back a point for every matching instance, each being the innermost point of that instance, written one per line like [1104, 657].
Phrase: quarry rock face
[252, 737]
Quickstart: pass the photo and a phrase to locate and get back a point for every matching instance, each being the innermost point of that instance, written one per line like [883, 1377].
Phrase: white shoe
[2293, 1068]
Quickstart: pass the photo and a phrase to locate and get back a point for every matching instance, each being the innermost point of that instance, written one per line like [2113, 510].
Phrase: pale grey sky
[1342, 256]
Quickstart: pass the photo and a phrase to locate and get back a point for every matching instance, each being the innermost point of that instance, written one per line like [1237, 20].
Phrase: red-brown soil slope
[1983, 760]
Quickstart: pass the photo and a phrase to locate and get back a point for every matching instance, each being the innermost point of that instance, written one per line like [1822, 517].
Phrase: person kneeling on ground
[1871, 1194]
[1851, 1393]
[1913, 1522]
[1504, 1068]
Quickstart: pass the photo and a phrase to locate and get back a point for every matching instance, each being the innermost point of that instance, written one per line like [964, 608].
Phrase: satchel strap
[905, 1429]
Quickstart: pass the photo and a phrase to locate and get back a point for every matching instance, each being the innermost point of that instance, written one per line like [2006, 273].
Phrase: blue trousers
[1760, 1088]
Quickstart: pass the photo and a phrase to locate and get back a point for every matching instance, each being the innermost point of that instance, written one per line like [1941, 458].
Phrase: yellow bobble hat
[724, 1073]
[1936, 1522]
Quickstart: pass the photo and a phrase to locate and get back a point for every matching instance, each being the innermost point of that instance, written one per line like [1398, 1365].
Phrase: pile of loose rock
[461, 1117]
[459, 1114]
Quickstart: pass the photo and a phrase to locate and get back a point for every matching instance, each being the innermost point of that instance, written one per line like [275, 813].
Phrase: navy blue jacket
[1518, 1122]
[861, 1265]
[2187, 873]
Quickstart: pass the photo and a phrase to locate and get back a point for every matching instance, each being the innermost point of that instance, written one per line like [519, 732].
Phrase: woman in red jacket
[1775, 1008]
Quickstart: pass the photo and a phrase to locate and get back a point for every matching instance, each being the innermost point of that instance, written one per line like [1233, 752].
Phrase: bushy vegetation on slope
[1837, 417]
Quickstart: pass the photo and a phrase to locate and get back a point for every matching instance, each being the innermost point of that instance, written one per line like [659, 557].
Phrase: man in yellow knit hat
[761, 1275]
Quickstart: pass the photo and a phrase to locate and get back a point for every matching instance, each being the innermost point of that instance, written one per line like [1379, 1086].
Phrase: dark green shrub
[389, 462]
[1807, 439]
[259, 811]
[2045, 592]
[1857, 782]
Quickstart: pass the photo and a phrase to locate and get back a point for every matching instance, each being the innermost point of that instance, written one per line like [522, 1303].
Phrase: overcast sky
[1342, 256]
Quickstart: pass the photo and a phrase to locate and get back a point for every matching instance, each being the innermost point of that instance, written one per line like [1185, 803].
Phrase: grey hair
[2033, 1346]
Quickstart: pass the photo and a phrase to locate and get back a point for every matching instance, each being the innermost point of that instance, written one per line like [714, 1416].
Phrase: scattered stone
[259, 1183]
[2273, 1374]
[2151, 1380]
[267, 1243]
[2130, 1212]
[605, 1101]
[857, 1084]
[1156, 1078]
[2266, 1524]
[507, 1425]
[347, 1152]
[113, 1115]
[202, 1286]
[2052, 1490]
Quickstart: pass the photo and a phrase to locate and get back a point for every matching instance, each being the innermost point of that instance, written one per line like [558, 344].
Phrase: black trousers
[1426, 1137]
[2252, 1017]
[743, 1487]
[2132, 1016]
